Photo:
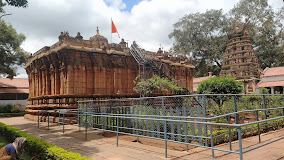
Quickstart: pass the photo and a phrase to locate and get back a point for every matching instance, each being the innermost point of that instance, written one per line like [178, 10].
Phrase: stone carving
[239, 60]
[79, 36]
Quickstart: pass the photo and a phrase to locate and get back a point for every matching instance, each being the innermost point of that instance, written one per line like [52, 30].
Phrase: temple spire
[98, 30]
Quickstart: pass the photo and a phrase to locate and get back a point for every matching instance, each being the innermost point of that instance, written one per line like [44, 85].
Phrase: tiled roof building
[14, 89]
[272, 78]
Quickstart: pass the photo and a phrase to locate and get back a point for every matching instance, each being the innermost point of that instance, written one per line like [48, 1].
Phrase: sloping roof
[16, 85]
[200, 79]
[270, 84]
[277, 71]
[195, 89]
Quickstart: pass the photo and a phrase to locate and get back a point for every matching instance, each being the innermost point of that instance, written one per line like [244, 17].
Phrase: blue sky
[130, 4]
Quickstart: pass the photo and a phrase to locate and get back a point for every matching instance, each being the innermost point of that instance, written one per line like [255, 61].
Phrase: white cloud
[149, 22]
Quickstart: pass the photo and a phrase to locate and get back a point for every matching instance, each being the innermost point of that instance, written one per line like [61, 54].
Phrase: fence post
[211, 137]
[92, 111]
[163, 107]
[37, 119]
[185, 127]
[236, 110]
[240, 143]
[63, 121]
[47, 120]
[258, 127]
[117, 130]
[283, 105]
[137, 121]
[79, 118]
[264, 105]
[86, 129]
[165, 136]
[204, 115]
[230, 139]
[59, 118]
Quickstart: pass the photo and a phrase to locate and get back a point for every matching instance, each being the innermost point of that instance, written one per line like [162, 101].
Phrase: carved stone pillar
[57, 81]
[84, 80]
[90, 80]
[48, 84]
[36, 83]
[52, 80]
[70, 80]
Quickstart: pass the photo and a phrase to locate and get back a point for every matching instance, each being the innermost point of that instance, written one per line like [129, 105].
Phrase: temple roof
[98, 37]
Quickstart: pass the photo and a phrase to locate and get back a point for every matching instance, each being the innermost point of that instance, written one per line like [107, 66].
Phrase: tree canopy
[204, 35]
[149, 86]
[15, 3]
[11, 53]
[220, 85]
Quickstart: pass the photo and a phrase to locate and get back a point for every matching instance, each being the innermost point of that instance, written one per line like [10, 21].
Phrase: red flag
[113, 28]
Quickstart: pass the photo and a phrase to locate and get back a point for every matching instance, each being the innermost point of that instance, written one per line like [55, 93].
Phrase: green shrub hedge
[9, 108]
[38, 147]
[247, 131]
[12, 114]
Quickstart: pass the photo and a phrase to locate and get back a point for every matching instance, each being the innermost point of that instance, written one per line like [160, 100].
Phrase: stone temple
[75, 69]
[239, 60]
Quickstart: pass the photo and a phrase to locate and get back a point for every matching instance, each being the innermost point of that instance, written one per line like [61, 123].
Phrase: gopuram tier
[76, 69]
[239, 60]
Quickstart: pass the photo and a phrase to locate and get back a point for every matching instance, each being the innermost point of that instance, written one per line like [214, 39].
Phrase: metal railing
[167, 121]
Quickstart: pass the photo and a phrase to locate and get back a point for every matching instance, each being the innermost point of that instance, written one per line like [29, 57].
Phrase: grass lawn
[4, 142]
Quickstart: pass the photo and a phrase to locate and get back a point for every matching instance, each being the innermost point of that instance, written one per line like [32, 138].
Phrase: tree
[15, 3]
[149, 86]
[10, 51]
[265, 29]
[203, 36]
[220, 85]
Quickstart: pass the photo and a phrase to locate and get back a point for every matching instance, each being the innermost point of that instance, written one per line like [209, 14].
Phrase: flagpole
[110, 30]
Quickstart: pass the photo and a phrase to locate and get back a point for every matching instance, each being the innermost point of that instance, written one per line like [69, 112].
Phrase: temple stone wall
[75, 69]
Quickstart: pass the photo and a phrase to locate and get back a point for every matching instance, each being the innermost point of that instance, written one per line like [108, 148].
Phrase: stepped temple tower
[239, 60]
[76, 69]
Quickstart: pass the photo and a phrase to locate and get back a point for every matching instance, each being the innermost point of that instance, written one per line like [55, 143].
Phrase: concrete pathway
[99, 147]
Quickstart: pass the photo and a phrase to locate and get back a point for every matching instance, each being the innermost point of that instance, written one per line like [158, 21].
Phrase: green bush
[155, 83]
[220, 85]
[247, 131]
[12, 114]
[38, 147]
[263, 91]
[9, 108]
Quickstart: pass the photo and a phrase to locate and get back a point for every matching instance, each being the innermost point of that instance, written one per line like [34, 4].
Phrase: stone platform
[104, 147]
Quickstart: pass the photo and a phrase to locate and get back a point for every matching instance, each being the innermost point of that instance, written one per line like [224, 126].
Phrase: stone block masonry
[75, 69]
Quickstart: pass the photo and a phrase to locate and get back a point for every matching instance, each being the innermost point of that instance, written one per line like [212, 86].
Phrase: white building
[14, 91]
[273, 79]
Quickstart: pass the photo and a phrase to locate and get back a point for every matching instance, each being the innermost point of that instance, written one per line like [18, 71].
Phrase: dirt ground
[149, 141]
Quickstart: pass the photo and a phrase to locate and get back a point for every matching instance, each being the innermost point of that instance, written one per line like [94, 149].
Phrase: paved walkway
[99, 147]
